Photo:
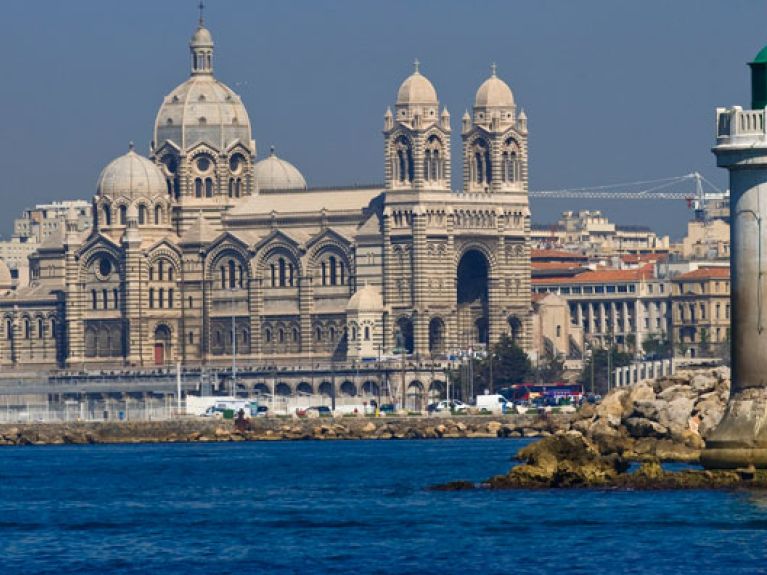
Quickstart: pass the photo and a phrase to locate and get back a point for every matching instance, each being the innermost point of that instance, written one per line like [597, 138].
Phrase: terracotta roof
[638, 258]
[599, 276]
[705, 273]
[556, 255]
[565, 266]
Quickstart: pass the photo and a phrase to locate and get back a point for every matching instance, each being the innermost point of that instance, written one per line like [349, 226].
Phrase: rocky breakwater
[570, 460]
[668, 419]
[274, 429]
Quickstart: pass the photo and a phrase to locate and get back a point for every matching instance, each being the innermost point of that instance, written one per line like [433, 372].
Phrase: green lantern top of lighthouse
[759, 80]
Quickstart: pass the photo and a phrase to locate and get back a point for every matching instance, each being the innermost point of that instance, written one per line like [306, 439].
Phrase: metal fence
[14, 410]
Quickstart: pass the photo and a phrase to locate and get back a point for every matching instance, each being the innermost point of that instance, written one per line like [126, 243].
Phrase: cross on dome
[201, 6]
[493, 68]
[417, 66]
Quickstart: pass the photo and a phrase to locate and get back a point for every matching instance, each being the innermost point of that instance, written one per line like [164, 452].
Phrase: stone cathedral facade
[200, 251]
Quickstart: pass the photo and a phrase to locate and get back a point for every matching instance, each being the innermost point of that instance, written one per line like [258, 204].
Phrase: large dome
[131, 176]
[202, 109]
[274, 173]
[494, 93]
[417, 90]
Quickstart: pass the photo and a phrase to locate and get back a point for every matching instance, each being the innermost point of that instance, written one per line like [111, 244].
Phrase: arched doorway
[282, 389]
[348, 389]
[304, 388]
[370, 389]
[403, 338]
[161, 344]
[472, 298]
[437, 391]
[326, 389]
[436, 335]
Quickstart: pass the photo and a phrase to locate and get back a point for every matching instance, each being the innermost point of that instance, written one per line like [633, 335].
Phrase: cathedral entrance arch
[472, 298]
[161, 344]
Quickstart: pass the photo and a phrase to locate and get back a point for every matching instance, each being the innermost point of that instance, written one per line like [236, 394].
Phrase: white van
[494, 403]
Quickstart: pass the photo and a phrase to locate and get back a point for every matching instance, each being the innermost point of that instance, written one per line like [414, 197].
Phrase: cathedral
[202, 252]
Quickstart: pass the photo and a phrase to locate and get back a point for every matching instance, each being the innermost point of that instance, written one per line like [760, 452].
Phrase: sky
[615, 91]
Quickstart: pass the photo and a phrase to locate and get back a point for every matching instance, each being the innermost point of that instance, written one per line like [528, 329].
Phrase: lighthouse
[740, 439]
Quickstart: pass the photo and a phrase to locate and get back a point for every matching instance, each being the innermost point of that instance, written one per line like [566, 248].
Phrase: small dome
[417, 90]
[6, 281]
[131, 175]
[201, 38]
[274, 173]
[494, 93]
[367, 299]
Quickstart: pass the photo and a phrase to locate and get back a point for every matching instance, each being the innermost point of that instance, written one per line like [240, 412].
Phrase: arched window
[157, 215]
[333, 277]
[170, 273]
[282, 272]
[481, 171]
[318, 333]
[94, 301]
[324, 273]
[367, 333]
[354, 333]
[151, 297]
[232, 276]
[170, 298]
[223, 277]
[190, 338]
[274, 275]
[8, 329]
[105, 298]
[268, 334]
[403, 165]
[197, 187]
[281, 335]
[40, 328]
[107, 216]
[237, 187]
[342, 274]
[151, 273]
[190, 302]
[231, 187]
[116, 298]
[160, 270]
[160, 297]
[295, 335]
[27, 329]
[332, 333]
[208, 187]
[241, 273]
[290, 275]
[52, 326]
[123, 215]
[142, 215]
[245, 336]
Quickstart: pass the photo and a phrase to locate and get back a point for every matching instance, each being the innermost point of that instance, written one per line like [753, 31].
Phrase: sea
[348, 507]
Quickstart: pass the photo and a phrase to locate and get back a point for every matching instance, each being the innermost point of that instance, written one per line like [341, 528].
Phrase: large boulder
[704, 382]
[641, 392]
[675, 391]
[642, 427]
[614, 406]
[676, 414]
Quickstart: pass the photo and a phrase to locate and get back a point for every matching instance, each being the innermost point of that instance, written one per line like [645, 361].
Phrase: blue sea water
[347, 507]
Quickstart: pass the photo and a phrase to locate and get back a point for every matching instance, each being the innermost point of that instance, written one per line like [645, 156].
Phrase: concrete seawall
[274, 429]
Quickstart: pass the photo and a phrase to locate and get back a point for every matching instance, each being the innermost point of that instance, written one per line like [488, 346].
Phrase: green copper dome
[761, 57]
[759, 80]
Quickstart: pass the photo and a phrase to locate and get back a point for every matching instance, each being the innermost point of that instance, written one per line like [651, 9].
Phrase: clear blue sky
[614, 90]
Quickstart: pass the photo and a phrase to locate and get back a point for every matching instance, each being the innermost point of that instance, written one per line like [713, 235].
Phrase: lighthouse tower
[741, 147]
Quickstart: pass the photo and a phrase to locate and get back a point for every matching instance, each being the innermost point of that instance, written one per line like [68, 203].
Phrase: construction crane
[692, 188]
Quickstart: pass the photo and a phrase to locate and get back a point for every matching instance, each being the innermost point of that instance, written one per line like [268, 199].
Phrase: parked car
[454, 405]
[319, 410]
[387, 408]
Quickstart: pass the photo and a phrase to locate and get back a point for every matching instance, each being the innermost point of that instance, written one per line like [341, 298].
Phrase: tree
[550, 368]
[656, 346]
[601, 357]
[704, 341]
[505, 364]
[631, 343]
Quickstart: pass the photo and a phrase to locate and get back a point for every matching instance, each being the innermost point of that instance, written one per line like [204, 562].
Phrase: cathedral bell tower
[417, 138]
[495, 141]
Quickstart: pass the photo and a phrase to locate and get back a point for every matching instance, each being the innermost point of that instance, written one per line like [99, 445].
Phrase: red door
[159, 354]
